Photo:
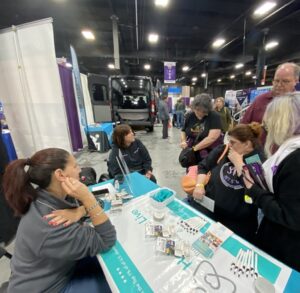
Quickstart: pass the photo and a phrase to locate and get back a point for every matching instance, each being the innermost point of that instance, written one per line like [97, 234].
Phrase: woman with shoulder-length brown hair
[133, 151]
[225, 186]
[51, 243]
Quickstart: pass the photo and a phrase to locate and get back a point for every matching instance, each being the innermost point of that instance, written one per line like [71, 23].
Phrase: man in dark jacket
[164, 116]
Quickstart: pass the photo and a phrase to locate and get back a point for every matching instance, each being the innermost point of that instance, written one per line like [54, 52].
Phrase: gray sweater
[45, 256]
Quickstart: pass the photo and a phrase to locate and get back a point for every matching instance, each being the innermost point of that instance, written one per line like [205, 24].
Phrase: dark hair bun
[256, 129]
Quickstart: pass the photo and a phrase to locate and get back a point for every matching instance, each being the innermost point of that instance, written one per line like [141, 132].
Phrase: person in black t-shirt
[202, 127]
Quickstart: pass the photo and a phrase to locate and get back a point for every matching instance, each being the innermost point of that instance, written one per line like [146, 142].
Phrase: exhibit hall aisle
[164, 153]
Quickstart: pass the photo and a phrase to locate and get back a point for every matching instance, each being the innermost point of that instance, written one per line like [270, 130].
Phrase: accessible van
[124, 99]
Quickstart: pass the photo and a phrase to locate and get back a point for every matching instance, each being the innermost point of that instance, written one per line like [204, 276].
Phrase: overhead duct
[115, 19]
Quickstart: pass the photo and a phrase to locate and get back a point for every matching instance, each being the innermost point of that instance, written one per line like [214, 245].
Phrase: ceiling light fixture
[153, 38]
[147, 67]
[88, 34]
[203, 75]
[111, 66]
[161, 3]
[193, 83]
[271, 45]
[239, 65]
[248, 73]
[264, 8]
[232, 76]
[219, 80]
[194, 78]
[254, 76]
[185, 68]
[218, 43]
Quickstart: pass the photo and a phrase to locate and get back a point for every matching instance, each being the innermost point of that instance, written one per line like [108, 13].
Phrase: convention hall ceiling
[186, 30]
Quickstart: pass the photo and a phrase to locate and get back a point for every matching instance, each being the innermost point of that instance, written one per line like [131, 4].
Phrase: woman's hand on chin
[76, 189]
[235, 158]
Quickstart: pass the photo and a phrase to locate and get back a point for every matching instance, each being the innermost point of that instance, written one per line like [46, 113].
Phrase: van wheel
[150, 128]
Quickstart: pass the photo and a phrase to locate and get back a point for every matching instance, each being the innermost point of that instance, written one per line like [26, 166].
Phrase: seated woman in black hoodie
[134, 153]
[225, 186]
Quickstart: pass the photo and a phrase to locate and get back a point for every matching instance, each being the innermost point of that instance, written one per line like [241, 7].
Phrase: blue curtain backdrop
[71, 109]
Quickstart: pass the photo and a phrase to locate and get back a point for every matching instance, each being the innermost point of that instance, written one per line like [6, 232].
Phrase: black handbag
[88, 176]
[187, 158]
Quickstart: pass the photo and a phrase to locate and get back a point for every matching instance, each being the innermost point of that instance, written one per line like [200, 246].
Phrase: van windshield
[131, 93]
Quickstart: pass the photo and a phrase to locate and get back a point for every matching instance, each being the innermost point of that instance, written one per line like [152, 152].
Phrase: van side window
[99, 92]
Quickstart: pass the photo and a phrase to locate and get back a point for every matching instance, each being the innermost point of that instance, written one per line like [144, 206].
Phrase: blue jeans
[180, 119]
[87, 277]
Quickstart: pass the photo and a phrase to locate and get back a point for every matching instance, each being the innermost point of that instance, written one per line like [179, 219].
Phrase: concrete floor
[166, 168]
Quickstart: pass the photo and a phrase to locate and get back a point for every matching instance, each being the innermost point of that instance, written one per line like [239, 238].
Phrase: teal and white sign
[134, 265]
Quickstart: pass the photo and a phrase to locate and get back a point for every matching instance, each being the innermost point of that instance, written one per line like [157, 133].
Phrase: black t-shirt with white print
[194, 126]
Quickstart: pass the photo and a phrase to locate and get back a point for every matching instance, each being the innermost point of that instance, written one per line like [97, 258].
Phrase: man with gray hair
[285, 79]
[202, 127]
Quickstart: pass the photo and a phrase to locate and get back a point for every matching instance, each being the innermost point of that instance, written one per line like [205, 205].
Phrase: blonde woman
[279, 231]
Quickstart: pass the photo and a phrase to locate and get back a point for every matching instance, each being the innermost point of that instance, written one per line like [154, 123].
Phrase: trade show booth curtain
[71, 109]
[87, 99]
[30, 88]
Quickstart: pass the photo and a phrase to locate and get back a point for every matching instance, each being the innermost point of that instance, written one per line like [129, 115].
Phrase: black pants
[165, 128]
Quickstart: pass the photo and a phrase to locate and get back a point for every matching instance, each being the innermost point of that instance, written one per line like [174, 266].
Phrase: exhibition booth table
[99, 136]
[12, 155]
[190, 254]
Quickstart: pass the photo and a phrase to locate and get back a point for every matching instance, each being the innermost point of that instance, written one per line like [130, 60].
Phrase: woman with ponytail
[225, 186]
[48, 254]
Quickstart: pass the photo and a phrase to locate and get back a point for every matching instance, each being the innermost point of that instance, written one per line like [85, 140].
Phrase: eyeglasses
[284, 81]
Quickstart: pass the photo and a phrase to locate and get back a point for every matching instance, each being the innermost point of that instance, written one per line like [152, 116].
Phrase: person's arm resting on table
[206, 165]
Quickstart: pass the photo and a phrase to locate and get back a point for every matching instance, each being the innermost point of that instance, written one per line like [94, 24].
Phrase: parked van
[127, 99]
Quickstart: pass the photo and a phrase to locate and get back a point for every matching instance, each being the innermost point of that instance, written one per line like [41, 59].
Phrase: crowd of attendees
[52, 244]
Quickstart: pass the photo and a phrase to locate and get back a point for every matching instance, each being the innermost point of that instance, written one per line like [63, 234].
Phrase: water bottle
[117, 185]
